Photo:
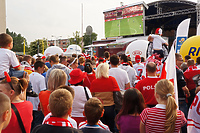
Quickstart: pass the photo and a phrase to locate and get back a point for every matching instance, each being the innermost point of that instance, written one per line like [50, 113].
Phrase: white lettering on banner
[149, 87]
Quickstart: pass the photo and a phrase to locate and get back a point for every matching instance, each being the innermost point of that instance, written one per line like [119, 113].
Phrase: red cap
[158, 31]
[43, 57]
[137, 58]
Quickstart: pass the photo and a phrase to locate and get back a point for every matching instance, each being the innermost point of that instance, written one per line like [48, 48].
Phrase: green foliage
[76, 39]
[18, 41]
[87, 40]
[34, 46]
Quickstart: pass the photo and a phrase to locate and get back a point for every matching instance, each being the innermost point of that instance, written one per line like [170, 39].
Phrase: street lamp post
[56, 38]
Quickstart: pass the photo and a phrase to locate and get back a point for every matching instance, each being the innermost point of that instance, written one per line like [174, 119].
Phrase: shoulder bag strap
[86, 94]
[18, 118]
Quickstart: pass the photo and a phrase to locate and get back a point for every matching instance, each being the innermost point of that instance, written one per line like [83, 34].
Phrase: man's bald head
[151, 67]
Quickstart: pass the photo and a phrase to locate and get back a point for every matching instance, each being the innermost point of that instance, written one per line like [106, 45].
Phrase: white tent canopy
[73, 49]
[53, 50]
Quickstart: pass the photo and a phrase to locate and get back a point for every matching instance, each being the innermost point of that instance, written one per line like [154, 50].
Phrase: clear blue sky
[36, 19]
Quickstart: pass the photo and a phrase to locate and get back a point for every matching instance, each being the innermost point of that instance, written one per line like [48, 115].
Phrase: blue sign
[179, 42]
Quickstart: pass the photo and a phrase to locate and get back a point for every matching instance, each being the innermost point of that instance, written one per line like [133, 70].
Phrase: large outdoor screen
[124, 21]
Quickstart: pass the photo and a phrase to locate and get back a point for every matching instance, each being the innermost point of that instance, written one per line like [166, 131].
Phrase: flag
[169, 71]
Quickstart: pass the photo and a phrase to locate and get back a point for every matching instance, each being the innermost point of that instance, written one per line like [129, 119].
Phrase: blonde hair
[60, 101]
[57, 77]
[102, 71]
[165, 89]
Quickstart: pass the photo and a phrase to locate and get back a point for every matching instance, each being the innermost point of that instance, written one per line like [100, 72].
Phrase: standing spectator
[54, 61]
[56, 78]
[13, 87]
[130, 71]
[60, 105]
[73, 64]
[38, 84]
[182, 89]
[82, 62]
[63, 60]
[128, 119]
[82, 94]
[104, 87]
[7, 57]
[107, 57]
[93, 110]
[138, 66]
[187, 57]
[194, 116]
[198, 62]
[119, 74]
[5, 111]
[147, 86]
[189, 74]
[47, 62]
[164, 118]
[90, 75]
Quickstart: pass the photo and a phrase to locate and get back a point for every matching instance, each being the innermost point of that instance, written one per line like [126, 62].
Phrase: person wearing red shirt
[90, 75]
[104, 87]
[189, 74]
[147, 86]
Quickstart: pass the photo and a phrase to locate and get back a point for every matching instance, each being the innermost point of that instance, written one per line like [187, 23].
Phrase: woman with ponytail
[164, 117]
[90, 75]
[13, 87]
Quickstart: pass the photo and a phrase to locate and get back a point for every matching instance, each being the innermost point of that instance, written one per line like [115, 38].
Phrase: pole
[42, 47]
[2, 16]
[82, 24]
[24, 47]
[38, 46]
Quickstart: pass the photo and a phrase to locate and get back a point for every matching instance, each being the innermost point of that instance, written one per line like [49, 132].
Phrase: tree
[76, 39]
[18, 41]
[34, 46]
[87, 40]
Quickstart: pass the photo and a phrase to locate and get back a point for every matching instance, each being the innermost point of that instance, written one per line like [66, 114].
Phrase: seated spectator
[133, 105]
[13, 87]
[164, 117]
[60, 105]
[82, 94]
[82, 62]
[93, 110]
[5, 111]
[57, 77]
[90, 75]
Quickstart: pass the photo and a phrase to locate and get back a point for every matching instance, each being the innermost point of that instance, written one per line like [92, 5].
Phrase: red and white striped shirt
[154, 119]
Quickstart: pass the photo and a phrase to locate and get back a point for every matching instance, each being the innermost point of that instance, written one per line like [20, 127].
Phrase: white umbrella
[53, 50]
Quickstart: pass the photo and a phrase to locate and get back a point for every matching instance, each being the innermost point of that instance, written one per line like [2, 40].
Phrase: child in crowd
[7, 57]
[26, 62]
[72, 121]
[164, 117]
[128, 119]
[93, 110]
[82, 62]
[5, 111]
[60, 105]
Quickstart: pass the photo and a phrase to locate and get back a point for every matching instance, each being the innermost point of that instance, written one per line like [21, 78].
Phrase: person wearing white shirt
[38, 84]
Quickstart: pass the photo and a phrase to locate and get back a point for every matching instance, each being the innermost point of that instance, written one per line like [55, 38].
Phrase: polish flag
[169, 71]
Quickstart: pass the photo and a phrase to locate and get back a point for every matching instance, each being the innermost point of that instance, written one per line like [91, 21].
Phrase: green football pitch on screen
[122, 27]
